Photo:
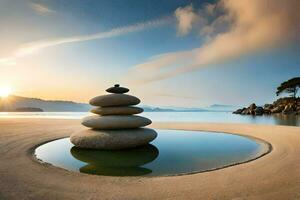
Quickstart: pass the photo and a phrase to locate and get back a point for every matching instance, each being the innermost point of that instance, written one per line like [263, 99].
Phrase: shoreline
[273, 176]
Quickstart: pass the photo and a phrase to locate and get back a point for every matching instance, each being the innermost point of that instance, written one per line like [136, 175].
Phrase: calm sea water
[172, 152]
[223, 117]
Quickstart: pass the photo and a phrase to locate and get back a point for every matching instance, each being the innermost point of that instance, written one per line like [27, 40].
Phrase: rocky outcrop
[277, 109]
[259, 110]
[285, 106]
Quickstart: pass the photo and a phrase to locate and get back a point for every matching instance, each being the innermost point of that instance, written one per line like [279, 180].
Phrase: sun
[5, 91]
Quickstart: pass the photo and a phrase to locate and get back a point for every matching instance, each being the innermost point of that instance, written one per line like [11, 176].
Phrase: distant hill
[221, 108]
[22, 104]
[15, 103]
[28, 109]
[211, 108]
[171, 109]
[156, 109]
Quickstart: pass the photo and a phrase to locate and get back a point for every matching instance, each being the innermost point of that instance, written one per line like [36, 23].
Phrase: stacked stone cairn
[115, 125]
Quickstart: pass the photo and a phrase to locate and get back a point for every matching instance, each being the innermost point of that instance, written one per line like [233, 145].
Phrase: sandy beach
[273, 176]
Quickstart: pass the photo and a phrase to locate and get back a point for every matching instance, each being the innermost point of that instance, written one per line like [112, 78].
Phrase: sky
[169, 53]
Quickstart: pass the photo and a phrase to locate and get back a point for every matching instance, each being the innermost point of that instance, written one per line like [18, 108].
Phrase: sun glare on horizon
[5, 91]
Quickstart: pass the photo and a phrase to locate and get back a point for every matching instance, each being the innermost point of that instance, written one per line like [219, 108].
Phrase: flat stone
[115, 122]
[118, 110]
[112, 139]
[114, 100]
[117, 89]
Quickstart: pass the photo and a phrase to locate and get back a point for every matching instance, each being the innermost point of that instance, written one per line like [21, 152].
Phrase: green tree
[291, 86]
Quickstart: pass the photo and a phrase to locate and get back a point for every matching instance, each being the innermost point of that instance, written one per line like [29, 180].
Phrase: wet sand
[273, 176]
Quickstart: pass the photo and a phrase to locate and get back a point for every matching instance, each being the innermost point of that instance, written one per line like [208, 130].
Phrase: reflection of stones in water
[290, 120]
[117, 162]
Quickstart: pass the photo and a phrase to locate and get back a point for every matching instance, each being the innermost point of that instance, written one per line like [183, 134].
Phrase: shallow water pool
[173, 152]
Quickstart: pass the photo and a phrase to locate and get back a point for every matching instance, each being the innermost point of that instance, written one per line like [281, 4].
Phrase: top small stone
[117, 89]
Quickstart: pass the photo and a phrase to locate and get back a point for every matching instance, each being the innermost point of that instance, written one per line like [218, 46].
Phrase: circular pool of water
[173, 152]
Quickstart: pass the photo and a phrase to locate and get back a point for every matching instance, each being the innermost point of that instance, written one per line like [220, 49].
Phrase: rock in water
[259, 110]
[277, 109]
[117, 89]
[238, 111]
[252, 106]
[288, 109]
[118, 110]
[113, 139]
[115, 122]
[114, 100]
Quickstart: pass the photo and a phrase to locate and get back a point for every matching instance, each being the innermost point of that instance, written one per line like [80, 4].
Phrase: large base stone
[113, 139]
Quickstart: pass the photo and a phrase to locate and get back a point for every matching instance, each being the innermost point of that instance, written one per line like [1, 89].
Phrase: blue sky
[172, 53]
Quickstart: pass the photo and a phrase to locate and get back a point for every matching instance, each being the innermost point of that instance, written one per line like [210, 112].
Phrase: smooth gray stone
[118, 110]
[114, 100]
[115, 122]
[117, 89]
[113, 139]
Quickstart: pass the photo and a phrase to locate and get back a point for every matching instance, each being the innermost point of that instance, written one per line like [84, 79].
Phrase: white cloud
[186, 17]
[32, 47]
[238, 28]
[41, 9]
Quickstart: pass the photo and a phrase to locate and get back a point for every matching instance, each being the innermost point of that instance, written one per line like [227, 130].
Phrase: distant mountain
[156, 109]
[171, 109]
[25, 104]
[221, 108]
[15, 103]
[28, 109]
[211, 108]
[18, 103]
